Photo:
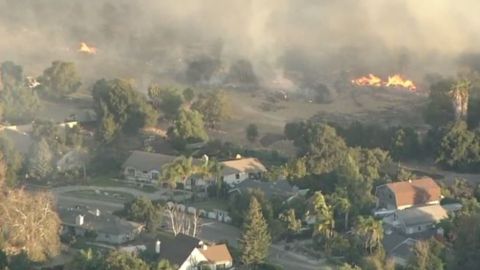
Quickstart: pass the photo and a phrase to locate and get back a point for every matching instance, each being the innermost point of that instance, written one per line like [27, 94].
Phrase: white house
[189, 253]
[145, 167]
[237, 170]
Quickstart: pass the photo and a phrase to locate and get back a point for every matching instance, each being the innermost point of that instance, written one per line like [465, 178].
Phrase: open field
[386, 107]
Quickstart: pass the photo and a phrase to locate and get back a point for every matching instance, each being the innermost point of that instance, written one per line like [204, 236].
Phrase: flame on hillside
[84, 48]
[396, 80]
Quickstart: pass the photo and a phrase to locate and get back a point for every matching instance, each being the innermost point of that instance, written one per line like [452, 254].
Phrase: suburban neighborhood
[239, 135]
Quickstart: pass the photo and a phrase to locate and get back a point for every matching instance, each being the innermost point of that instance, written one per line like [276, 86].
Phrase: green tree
[466, 244]
[60, 79]
[39, 163]
[164, 265]
[120, 108]
[86, 260]
[342, 204]
[11, 75]
[12, 158]
[293, 224]
[214, 106]
[357, 187]
[427, 255]
[143, 210]
[459, 148]
[320, 142]
[405, 144]
[20, 104]
[188, 95]
[324, 222]
[370, 232]
[118, 260]
[252, 132]
[179, 171]
[188, 128]
[167, 100]
[439, 109]
[255, 240]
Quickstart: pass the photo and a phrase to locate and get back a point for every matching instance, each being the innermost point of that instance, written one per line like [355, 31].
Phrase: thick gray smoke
[307, 40]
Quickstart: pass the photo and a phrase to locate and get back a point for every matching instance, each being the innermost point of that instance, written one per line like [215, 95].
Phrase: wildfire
[84, 48]
[370, 80]
[395, 80]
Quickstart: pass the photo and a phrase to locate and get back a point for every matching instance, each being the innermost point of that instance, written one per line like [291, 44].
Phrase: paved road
[210, 230]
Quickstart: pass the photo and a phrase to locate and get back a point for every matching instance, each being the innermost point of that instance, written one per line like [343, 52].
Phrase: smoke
[153, 40]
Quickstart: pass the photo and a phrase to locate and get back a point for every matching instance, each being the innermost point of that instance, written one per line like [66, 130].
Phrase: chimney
[97, 212]
[79, 220]
[157, 246]
[203, 245]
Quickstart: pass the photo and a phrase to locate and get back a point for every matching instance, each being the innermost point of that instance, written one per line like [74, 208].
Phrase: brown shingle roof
[415, 192]
[247, 165]
[217, 253]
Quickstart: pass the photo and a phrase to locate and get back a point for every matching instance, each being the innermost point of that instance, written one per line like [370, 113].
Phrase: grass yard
[102, 195]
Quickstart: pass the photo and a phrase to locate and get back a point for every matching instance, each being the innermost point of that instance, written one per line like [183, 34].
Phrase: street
[211, 230]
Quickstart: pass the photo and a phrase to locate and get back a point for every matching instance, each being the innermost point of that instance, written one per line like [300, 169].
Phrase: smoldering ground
[308, 40]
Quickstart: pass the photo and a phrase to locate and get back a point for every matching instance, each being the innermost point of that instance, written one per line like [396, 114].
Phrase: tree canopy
[121, 109]
[255, 240]
[60, 79]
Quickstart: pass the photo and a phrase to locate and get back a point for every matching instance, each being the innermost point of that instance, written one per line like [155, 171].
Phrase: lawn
[102, 195]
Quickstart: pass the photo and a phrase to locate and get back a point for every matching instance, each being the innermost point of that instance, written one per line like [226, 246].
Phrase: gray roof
[105, 223]
[145, 161]
[429, 214]
[177, 250]
[270, 188]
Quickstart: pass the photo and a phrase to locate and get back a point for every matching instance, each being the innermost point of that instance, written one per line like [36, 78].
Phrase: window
[155, 176]
[419, 228]
[237, 176]
[131, 172]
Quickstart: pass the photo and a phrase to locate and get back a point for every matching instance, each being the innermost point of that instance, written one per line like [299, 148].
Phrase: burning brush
[84, 48]
[396, 80]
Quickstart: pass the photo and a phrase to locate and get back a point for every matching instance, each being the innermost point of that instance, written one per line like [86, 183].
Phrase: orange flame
[370, 80]
[395, 80]
[84, 48]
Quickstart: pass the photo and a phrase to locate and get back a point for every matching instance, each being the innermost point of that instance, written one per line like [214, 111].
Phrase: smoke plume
[305, 40]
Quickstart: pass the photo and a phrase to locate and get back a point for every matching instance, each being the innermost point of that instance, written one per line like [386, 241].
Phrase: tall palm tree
[180, 170]
[342, 204]
[460, 95]
[370, 231]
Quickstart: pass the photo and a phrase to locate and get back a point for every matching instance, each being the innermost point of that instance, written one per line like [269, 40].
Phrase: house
[401, 195]
[145, 167]
[279, 188]
[237, 170]
[418, 219]
[101, 227]
[188, 253]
